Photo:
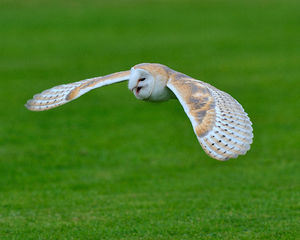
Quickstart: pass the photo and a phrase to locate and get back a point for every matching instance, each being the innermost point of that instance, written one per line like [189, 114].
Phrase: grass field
[108, 166]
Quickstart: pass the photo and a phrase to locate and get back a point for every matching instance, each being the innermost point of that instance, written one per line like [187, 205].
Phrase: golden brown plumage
[220, 123]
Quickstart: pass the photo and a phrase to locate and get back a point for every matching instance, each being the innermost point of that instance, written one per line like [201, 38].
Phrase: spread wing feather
[222, 126]
[62, 94]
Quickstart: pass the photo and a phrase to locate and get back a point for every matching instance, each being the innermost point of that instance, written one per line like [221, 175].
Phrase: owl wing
[220, 123]
[62, 94]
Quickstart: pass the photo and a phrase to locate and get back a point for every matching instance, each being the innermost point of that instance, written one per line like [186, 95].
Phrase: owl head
[148, 81]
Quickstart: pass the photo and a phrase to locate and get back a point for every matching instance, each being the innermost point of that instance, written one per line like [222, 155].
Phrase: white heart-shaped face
[141, 83]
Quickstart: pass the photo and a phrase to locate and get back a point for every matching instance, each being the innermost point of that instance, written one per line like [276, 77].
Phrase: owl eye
[141, 79]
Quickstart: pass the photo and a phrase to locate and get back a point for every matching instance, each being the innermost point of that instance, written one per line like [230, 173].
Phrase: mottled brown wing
[62, 94]
[222, 126]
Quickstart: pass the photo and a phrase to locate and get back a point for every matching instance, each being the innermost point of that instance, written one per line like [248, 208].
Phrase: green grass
[108, 166]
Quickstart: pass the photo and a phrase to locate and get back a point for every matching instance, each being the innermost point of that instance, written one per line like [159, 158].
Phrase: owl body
[220, 123]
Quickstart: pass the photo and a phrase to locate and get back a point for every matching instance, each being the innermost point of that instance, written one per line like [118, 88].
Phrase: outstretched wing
[222, 126]
[62, 94]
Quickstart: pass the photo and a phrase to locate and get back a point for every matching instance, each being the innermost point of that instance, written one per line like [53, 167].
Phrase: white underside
[159, 95]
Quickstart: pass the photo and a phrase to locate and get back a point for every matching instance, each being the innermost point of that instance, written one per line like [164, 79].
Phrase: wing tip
[223, 153]
[28, 105]
[35, 108]
[225, 159]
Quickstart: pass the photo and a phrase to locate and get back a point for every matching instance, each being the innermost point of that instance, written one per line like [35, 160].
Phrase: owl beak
[137, 89]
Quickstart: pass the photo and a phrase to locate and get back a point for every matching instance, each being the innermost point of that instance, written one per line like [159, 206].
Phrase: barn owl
[220, 123]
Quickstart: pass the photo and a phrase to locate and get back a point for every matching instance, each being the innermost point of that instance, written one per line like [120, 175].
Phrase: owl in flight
[220, 123]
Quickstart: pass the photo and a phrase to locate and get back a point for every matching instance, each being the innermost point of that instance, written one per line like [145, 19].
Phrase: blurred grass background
[108, 166]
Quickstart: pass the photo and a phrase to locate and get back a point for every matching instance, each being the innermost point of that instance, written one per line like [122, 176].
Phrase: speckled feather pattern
[220, 123]
[231, 134]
